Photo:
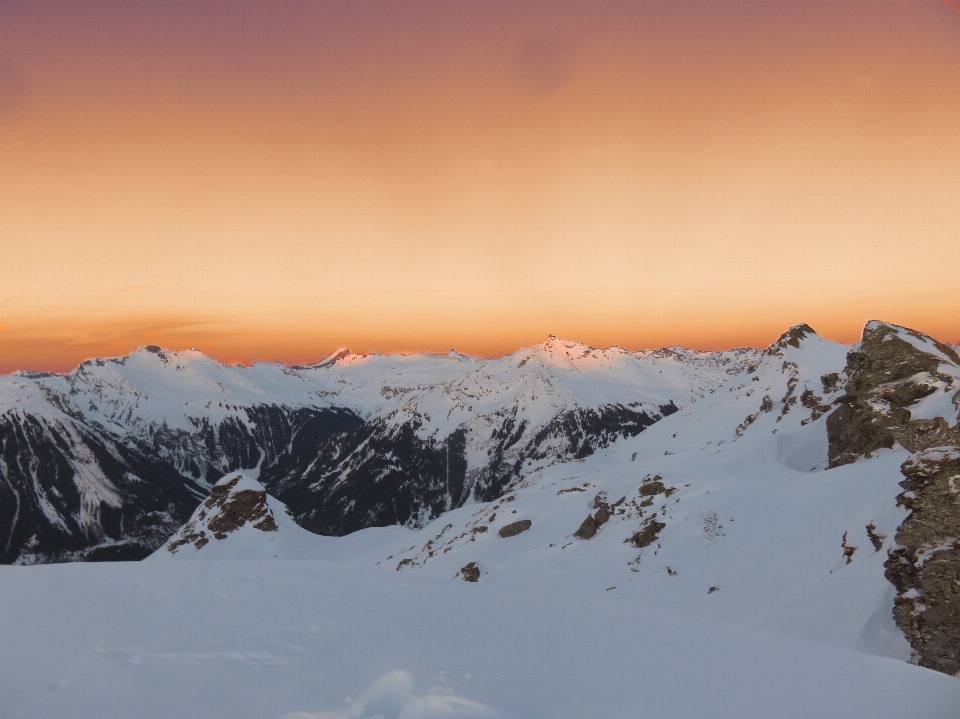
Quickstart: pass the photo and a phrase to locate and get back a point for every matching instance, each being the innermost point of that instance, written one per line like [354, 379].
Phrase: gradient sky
[275, 180]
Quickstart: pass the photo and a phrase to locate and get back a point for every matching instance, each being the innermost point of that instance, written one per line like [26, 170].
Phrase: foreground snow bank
[257, 639]
[391, 697]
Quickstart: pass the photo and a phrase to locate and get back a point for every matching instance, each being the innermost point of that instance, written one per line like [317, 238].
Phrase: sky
[278, 180]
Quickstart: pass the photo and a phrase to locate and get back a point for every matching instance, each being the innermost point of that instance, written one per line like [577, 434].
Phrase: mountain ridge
[467, 419]
[675, 456]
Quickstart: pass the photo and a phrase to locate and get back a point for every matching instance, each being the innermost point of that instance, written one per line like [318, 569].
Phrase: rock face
[902, 389]
[890, 371]
[793, 337]
[380, 473]
[74, 492]
[925, 566]
[72, 489]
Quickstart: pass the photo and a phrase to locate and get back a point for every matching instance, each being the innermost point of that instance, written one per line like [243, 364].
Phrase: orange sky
[274, 180]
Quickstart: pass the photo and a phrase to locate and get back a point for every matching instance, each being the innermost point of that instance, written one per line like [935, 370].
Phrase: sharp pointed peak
[793, 337]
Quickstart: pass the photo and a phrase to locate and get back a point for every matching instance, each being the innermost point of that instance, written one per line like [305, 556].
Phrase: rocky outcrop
[649, 534]
[889, 372]
[470, 572]
[234, 502]
[515, 528]
[924, 566]
[793, 337]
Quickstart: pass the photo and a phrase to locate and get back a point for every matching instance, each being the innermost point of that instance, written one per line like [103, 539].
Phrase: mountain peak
[235, 501]
[239, 520]
[794, 336]
[876, 331]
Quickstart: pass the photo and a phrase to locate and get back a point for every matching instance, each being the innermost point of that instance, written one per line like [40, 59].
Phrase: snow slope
[248, 639]
[753, 530]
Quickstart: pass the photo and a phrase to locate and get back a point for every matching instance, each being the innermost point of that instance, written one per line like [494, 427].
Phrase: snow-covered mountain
[110, 460]
[776, 500]
[350, 442]
[781, 543]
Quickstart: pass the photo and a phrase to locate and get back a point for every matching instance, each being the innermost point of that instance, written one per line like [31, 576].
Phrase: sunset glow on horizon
[275, 181]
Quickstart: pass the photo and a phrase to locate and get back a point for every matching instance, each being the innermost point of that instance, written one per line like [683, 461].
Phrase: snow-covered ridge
[154, 385]
[239, 520]
[164, 398]
[428, 431]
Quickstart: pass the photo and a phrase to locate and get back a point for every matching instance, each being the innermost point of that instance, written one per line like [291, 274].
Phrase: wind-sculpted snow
[391, 697]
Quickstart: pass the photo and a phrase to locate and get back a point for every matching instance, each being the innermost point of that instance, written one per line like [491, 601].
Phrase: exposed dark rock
[648, 535]
[924, 566]
[881, 385]
[830, 381]
[223, 512]
[577, 434]
[371, 475]
[652, 486]
[515, 528]
[588, 529]
[815, 403]
[259, 436]
[750, 419]
[470, 572]
[876, 539]
[792, 337]
[848, 549]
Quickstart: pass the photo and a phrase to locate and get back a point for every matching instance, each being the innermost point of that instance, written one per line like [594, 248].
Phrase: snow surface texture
[242, 639]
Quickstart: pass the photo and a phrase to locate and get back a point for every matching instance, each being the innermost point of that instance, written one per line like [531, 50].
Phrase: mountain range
[809, 487]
